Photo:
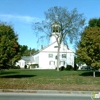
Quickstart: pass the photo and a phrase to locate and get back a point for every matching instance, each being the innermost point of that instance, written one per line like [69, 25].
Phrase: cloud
[10, 17]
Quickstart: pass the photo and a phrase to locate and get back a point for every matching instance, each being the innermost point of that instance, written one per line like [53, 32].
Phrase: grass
[49, 80]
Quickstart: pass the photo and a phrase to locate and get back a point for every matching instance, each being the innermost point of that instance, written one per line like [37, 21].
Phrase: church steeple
[56, 27]
[56, 30]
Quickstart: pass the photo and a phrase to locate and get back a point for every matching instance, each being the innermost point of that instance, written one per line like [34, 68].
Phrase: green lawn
[49, 79]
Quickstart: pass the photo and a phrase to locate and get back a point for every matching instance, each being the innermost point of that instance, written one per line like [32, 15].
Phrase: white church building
[46, 58]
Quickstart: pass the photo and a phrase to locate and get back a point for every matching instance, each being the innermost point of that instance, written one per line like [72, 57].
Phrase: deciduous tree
[89, 46]
[70, 21]
[9, 47]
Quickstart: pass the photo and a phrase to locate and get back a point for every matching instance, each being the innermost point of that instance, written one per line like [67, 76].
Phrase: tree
[27, 52]
[89, 47]
[94, 22]
[9, 47]
[23, 48]
[70, 22]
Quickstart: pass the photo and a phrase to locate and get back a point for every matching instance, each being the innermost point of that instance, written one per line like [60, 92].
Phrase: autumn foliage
[89, 46]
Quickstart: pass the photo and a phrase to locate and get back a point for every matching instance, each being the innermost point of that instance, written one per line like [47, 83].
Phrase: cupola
[56, 31]
[56, 27]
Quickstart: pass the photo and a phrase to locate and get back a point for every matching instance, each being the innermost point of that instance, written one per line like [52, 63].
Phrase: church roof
[44, 48]
[69, 50]
[28, 58]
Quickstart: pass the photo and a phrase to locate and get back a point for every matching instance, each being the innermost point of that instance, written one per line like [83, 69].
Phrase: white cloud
[27, 19]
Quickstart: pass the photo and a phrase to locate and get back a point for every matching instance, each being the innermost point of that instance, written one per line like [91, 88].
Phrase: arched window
[53, 29]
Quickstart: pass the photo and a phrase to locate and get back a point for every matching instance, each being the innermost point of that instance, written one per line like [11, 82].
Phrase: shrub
[62, 68]
[75, 67]
[16, 67]
[69, 67]
[34, 66]
[25, 66]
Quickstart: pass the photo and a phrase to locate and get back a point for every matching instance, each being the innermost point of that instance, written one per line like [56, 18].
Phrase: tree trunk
[58, 57]
[94, 73]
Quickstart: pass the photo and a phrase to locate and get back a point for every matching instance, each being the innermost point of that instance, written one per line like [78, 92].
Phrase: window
[56, 57]
[63, 55]
[50, 55]
[51, 62]
[55, 46]
[53, 29]
[62, 63]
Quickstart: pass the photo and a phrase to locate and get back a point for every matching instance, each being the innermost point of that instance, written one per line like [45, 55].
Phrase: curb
[47, 91]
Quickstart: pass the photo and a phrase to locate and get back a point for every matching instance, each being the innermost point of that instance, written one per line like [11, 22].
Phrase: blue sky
[22, 13]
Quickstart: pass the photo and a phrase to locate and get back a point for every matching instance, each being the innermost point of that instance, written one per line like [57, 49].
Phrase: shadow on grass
[97, 74]
[9, 72]
[17, 76]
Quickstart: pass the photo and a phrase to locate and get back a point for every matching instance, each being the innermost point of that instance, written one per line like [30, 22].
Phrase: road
[27, 96]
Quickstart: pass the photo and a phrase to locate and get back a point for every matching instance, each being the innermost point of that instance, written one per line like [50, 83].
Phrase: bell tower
[56, 31]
